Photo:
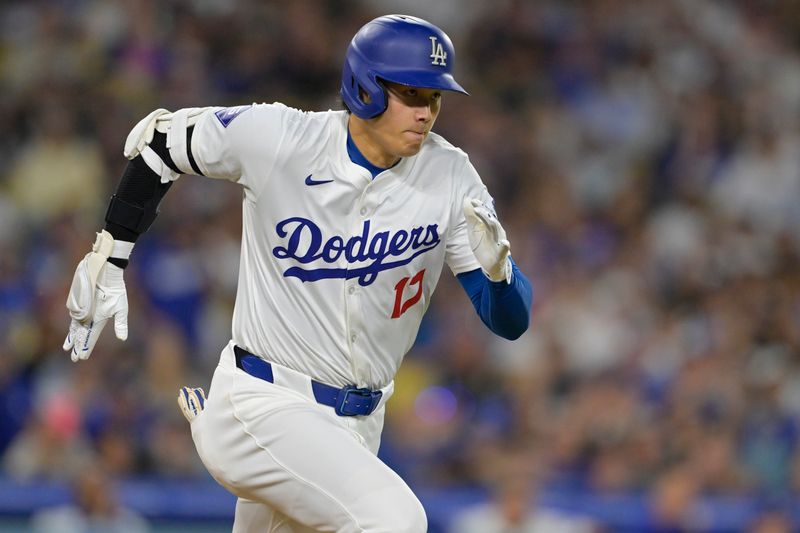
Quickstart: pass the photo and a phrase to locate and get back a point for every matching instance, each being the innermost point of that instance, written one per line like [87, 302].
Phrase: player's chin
[411, 147]
[410, 150]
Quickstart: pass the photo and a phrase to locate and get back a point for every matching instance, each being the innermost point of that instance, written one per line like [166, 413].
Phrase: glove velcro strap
[96, 260]
[122, 249]
[121, 253]
[502, 274]
[103, 244]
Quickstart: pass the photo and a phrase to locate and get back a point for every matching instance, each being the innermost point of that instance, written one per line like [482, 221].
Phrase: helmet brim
[425, 80]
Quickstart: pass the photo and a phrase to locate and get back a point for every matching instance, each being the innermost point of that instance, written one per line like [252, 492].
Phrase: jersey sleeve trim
[189, 154]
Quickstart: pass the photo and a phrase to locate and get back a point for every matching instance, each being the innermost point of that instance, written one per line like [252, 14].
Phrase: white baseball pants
[295, 465]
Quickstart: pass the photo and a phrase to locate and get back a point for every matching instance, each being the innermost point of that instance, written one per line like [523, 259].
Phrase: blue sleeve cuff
[505, 308]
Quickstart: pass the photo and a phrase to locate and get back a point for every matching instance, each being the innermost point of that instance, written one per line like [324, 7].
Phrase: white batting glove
[192, 401]
[97, 294]
[142, 134]
[488, 240]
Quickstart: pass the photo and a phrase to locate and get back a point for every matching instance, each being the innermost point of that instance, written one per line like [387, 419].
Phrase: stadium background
[645, 161]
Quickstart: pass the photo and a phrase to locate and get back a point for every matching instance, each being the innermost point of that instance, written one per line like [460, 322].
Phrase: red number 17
[401, 307]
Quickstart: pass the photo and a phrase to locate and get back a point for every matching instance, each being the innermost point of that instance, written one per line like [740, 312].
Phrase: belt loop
[253, 365]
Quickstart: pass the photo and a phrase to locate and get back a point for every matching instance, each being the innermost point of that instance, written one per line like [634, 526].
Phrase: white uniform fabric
[300, 301]
[286, 456]
[336, 272]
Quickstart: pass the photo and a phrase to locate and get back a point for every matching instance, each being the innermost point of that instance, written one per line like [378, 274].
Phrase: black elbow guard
[134, 206]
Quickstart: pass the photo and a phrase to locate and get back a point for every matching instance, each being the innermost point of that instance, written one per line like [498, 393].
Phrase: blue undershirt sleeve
[505, 308]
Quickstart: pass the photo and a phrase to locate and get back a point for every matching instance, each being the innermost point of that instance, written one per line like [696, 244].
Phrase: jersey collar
[358, 158]
[350, 168]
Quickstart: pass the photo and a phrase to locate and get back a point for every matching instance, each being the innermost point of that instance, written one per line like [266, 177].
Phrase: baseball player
[349, 217]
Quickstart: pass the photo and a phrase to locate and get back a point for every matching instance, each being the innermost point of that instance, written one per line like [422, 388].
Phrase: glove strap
[104, 244]
[95, 260]
[120, 254]
[504, 275]
[122, 249]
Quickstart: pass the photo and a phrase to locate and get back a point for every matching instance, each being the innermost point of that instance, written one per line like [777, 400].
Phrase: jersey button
[353, 337]
[351, 289]
[363, 211]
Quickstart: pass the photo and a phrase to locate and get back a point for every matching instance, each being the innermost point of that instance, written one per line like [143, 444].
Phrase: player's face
[401, 129]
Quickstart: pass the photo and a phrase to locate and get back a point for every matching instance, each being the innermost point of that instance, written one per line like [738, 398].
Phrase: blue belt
[346, 401]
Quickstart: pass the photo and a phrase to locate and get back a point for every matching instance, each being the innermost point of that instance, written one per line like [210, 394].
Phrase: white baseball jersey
[337, 268]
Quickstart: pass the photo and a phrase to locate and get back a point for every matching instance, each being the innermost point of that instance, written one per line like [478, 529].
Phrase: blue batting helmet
[399, 49]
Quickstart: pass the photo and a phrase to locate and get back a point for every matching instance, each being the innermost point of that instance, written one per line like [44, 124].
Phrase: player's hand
[97, 295]
[142, 134]
[192, 401]
[488, 240]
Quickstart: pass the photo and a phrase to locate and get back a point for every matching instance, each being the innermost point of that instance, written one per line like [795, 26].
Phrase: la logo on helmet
[437, 52]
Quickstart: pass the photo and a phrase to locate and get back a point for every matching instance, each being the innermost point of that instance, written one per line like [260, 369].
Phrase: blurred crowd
[645, 161]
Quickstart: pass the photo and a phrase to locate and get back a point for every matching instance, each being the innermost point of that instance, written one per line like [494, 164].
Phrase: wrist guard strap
[131, 217]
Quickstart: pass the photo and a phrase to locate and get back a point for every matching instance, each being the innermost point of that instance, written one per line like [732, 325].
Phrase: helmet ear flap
[377, 99]
[364, 95]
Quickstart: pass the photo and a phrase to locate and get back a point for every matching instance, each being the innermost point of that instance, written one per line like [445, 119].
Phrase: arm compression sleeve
[505, 308]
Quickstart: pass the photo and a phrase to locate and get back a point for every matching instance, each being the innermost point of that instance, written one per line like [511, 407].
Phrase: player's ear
[364, 95]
